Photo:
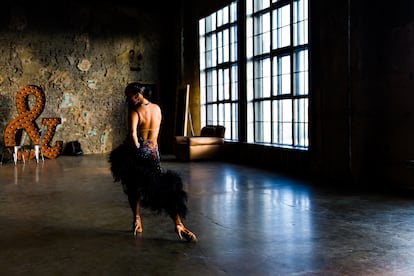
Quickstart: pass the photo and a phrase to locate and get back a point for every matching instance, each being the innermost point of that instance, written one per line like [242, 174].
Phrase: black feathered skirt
[143, 180]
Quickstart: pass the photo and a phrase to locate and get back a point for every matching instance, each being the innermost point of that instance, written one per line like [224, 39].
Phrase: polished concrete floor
[66, 217]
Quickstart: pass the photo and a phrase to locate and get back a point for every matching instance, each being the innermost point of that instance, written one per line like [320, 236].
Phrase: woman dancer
[136, 164]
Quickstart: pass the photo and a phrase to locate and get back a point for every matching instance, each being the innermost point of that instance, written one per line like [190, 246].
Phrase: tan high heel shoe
[136, 226]
[184, 232]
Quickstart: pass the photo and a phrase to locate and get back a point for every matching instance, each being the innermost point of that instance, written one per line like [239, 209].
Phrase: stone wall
[82, 55]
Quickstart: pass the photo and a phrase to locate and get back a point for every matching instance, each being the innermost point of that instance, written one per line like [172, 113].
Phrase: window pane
[258, 120]
[282, 129]
[233, 12]
[262, 34]
[258, 79]
[286, 121]
[223, 16]
[263, 122]
[202, 86]
[203, 113]
[227, 119]
[202, 50]
[281, 27]
[219, 18]
[220, 116]
[261, 4]
[214, 85]
[266, 72]
[249, 7]
[284, 23]
[281, 75]
[234, 83]
[250, 82]
[275, 76]
[235, 118]
[211, 50]
[275, 122]
[226, 84]
[250, 122]
[262, 73]
[209, 86]
[226, 45]
[249, 38]
[301, 124]
[201, 27]
[220, 52]
[211, 23]
[300, 19]
[214, 117]
[221, 78]
[267, 115]
[210, 111]
[301, 81]
[233, 43]
[285, 75]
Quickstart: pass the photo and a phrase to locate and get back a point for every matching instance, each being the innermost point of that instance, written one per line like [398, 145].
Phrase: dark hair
[137, 87]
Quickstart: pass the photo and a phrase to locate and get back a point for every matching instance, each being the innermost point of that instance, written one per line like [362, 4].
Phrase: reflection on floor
[66, 217]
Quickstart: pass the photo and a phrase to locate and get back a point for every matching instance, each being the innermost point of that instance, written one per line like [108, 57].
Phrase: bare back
[146, 121]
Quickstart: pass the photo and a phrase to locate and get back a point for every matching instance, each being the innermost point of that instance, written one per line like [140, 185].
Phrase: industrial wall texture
[82, 56]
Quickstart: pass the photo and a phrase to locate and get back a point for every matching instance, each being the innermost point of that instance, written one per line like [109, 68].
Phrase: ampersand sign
[26, 121]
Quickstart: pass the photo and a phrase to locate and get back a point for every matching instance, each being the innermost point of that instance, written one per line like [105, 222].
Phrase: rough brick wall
[82, 55]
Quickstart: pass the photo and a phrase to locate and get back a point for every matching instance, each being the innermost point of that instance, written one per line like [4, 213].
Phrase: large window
[276, 92]
[219, 70]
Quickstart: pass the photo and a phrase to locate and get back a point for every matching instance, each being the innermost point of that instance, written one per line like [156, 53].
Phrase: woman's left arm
[133, 125]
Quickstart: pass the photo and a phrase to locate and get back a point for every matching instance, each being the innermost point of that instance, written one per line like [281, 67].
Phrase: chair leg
[36, 148]
[29, 153]
[15, 149]
[22, 150]
[2, 156]
[16, 154]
